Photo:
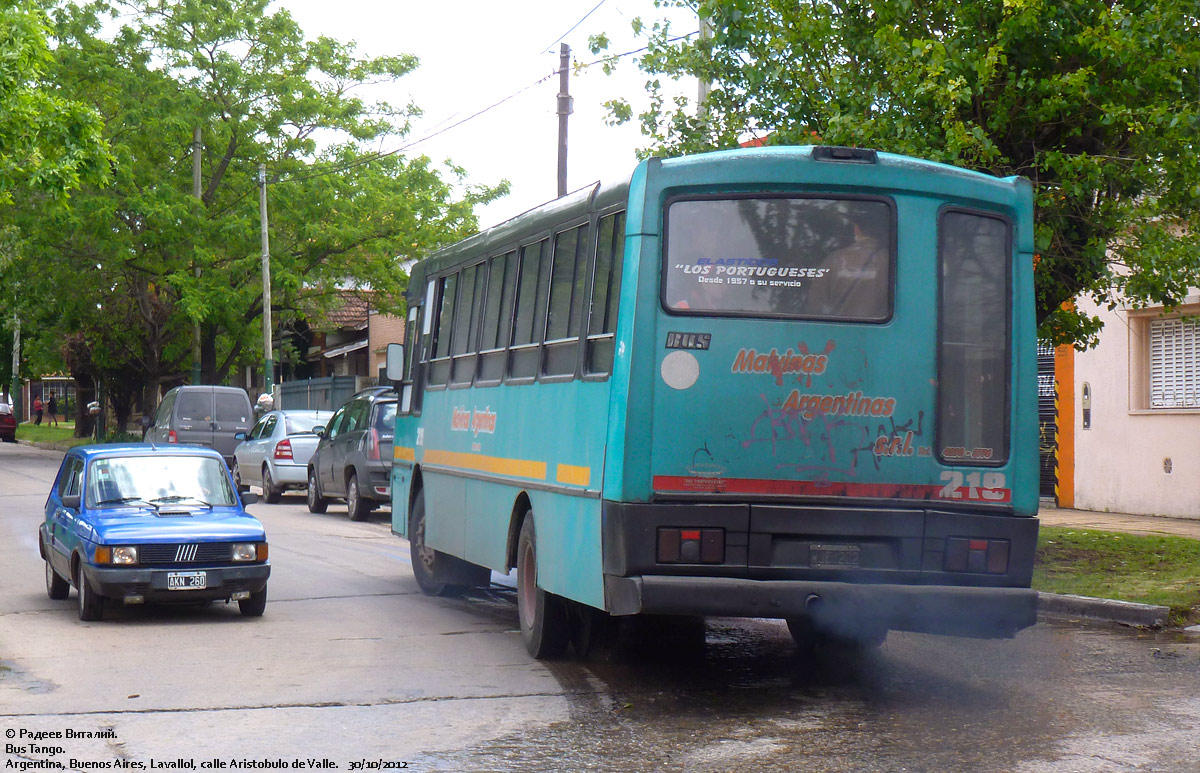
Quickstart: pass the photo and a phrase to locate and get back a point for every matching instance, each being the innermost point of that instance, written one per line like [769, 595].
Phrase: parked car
[276, 452]
[8, 423]
[353, 460]
[140, 523]
[203, 415]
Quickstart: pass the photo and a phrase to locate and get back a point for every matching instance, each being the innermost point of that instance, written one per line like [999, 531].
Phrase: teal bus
[782, 382]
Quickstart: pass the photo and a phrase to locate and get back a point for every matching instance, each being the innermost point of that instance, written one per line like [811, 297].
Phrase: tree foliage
[147, 259]
[1096, 101]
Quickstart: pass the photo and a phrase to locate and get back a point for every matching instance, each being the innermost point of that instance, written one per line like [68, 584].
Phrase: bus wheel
[544, 623]
[424, 558]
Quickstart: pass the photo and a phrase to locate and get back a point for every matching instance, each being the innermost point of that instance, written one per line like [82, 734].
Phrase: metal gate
[1047, 422]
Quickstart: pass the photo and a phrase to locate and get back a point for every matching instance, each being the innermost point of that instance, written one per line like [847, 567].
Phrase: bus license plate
[833, 556]
[187, 580]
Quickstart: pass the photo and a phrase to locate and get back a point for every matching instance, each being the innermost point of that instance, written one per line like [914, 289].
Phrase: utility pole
[197, 144]
[565, 108]
[269, 362]
[15, 394]
[705, 85]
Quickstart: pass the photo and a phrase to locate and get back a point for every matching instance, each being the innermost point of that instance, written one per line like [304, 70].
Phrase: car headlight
[123, 554]
[250, 551]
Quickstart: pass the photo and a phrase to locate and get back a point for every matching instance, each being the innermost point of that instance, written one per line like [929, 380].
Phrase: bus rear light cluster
[691, 546]
[976, 555]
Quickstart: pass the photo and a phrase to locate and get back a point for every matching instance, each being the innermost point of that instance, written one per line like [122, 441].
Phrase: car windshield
[5, 409]
[158, 479]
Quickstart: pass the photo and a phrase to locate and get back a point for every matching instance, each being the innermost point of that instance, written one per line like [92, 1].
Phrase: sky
[475, 53]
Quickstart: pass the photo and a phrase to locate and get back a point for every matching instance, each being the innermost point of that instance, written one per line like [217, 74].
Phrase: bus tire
[545, 626]
[424, 558]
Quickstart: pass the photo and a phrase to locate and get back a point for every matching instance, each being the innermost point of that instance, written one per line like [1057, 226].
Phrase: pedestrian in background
[37, 410]
[52, 409]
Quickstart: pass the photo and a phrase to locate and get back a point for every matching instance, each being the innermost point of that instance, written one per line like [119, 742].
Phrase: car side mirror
[249, 498]
[239, 436]
[395, 362]
[71, 501]
[319, 431]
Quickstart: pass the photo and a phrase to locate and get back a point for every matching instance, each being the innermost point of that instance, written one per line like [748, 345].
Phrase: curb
[1110, 610]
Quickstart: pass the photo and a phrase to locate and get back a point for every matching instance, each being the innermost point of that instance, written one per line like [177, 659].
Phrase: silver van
[203, 415]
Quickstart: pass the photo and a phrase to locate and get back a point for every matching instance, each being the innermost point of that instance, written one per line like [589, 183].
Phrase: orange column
[1064, 382]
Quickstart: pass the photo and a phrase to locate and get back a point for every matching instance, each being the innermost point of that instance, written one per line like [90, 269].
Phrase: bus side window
[497, 317]
[412, 338]
[439, 361]
[567, 278]
[606, 290]
[531, 311]
[466, 325]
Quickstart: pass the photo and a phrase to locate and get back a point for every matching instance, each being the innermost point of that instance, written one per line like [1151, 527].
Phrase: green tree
[341, 212]
[1096, 101]
[48, 146]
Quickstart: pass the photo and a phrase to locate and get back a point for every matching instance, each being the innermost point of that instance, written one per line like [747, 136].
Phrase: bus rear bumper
[986, 613]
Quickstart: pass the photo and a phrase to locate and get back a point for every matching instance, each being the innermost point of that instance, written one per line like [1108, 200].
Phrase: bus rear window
[780, 257]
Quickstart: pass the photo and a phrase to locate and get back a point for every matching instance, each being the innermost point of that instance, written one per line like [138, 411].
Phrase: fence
[319, 394]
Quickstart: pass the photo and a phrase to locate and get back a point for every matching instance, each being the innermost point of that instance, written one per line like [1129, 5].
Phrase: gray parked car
[276, 452]
[203, 415]
[353, 461]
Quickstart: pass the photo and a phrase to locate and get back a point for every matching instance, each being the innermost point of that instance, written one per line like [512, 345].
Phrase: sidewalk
[1122, 612]
[1122, 522]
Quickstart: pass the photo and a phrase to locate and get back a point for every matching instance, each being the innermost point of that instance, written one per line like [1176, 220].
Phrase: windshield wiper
[121, 501]
[181, 498]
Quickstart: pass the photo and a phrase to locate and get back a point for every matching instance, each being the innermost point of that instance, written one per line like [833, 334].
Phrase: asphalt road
[352, 667]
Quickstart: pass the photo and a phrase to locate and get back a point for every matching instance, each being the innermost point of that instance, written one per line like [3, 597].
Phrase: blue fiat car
[138, 523]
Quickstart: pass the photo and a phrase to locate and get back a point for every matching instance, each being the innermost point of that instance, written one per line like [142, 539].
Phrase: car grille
[187, 553]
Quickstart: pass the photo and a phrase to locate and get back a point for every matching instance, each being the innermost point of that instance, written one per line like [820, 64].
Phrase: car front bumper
[151, 583]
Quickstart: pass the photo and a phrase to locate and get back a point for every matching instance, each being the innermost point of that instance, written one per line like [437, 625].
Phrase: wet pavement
[1058, 697]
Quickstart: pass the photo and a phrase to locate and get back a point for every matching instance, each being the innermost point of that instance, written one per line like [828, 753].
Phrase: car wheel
[56, 587]
[358, 507]
[242, 488]
[270, 493]
[316, 502]
[545, 627]
[91, 604]
[255, 605]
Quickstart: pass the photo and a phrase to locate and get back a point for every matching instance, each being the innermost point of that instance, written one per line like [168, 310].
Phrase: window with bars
[1174, 363]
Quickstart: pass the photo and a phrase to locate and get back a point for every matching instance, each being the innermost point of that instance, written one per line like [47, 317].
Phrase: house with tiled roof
[351, 338]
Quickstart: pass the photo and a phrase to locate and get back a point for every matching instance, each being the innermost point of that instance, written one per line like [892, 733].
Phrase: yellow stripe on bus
[516, 468]
[575, 476]
[407, 454]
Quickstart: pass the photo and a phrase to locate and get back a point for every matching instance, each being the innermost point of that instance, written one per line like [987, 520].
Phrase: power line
[576, 24]
[384, 154]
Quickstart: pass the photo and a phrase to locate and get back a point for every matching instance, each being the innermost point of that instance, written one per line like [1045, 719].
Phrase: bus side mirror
[395, 362]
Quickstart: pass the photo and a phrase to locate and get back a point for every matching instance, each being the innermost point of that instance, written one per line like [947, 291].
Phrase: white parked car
[276, 452]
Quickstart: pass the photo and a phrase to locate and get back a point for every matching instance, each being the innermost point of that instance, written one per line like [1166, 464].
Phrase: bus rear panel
[829, 397]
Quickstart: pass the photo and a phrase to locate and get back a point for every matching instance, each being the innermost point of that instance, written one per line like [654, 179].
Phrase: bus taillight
[977, 555]
[691, 546]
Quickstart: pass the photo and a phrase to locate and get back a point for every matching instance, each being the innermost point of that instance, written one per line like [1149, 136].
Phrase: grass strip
[1162, 570]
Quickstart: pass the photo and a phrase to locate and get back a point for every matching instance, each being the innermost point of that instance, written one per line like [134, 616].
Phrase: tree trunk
[85, 392]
